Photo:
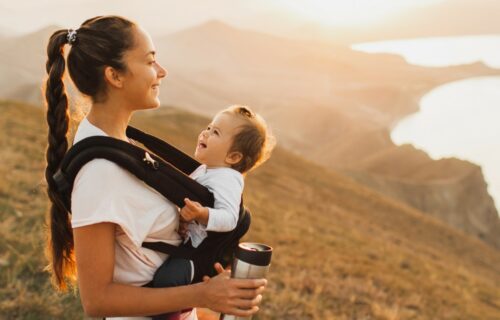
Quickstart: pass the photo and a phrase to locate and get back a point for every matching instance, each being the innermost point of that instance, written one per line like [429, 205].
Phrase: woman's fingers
[250, 293]
[249, 283]
[243, 312]
[247, 303]
[219, 268]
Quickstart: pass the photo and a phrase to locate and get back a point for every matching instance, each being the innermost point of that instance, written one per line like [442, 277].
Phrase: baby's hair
[254, 139]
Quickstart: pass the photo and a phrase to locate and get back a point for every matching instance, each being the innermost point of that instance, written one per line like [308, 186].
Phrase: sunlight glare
[351, 12]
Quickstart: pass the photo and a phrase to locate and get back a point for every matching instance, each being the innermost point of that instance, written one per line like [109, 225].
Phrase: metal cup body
[245, 270]
[252, 261]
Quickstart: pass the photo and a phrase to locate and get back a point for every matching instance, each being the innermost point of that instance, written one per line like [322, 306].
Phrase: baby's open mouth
[202, 145]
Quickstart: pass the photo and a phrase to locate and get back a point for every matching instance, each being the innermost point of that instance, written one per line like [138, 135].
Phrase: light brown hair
[254, 140]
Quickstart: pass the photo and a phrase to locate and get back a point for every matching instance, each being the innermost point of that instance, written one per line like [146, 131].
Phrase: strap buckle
[150, 161]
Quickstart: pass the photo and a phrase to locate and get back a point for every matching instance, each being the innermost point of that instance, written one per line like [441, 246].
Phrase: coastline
[485, 164]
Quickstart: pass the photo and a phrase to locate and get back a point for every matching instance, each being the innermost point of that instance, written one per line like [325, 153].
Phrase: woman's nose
[162, 72]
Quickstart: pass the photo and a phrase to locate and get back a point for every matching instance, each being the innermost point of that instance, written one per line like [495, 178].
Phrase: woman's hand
[239, 297]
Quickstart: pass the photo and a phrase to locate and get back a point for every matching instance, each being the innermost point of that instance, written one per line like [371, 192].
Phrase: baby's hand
[194, 211]
[183, 228]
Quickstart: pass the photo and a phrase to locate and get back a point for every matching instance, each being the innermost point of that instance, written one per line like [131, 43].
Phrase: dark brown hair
[100, 42]
[253, 140]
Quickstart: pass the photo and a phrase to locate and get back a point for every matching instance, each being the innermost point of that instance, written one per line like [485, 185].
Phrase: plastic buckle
[150, 161]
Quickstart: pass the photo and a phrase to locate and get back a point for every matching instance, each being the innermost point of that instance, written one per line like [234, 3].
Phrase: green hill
[342, 251]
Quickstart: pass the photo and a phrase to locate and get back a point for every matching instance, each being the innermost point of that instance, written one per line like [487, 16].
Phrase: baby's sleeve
[227, 188]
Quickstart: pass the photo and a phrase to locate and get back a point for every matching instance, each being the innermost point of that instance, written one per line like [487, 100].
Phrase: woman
[112, 61]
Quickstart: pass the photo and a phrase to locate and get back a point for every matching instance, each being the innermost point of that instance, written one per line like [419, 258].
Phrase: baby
[234, 143]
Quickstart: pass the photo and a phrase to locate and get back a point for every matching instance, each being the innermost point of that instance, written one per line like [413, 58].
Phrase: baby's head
[237, 138]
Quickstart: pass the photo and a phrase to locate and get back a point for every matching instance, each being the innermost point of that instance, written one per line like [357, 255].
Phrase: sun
[350, 12]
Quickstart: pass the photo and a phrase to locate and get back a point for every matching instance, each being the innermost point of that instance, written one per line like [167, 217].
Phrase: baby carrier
[166, 169]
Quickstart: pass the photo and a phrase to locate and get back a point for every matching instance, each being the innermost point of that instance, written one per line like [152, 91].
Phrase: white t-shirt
[227, 186]
[104, 192]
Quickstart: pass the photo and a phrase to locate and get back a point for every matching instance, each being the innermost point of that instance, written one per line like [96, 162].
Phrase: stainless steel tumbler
[251, 261]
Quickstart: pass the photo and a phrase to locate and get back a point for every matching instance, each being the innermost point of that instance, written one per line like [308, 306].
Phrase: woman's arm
[94, 249]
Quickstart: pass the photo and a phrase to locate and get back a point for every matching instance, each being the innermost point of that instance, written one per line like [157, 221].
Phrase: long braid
[99, 42]
[60, 244]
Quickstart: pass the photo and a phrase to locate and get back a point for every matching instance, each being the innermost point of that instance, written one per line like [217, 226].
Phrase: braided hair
[99, 42]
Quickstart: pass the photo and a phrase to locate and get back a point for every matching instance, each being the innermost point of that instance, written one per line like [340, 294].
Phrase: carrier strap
[165, 169]
[162, 176]
[178, 252]
[169, 153]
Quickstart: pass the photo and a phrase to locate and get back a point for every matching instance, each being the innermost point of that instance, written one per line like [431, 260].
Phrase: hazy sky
[350, 12]
[163, 16]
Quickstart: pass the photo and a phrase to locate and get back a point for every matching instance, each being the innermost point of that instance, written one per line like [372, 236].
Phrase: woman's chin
[154, 104]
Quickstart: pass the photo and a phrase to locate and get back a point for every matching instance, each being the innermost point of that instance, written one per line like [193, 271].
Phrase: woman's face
[141, 85]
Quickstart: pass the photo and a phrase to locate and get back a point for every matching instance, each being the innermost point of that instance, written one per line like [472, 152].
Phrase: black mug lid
[254, 253]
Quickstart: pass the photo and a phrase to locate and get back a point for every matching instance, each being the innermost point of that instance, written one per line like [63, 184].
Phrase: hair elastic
[71, 36]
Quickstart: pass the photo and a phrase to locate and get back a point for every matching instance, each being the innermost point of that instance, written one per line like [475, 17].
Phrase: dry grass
[342, 251]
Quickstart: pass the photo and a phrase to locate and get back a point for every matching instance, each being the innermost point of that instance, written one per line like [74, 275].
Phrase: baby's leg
[174, 272]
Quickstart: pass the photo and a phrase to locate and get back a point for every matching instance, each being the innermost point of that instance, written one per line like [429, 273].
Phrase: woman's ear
[113, 77]
[234, 157]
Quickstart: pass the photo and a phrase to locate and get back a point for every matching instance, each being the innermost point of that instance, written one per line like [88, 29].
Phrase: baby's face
[215, 141]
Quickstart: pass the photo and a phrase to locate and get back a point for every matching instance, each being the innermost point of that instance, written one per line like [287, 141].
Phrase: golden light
[350, 12]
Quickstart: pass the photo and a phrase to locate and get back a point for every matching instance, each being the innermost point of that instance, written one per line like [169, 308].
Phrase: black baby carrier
[166, 169]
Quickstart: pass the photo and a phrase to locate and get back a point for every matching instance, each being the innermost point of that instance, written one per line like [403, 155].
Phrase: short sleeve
[104, 192]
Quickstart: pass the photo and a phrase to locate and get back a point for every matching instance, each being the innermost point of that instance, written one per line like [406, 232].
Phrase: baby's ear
[234, 157]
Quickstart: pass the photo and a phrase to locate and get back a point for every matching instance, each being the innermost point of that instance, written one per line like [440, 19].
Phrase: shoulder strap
[154, 171]
[163, 149]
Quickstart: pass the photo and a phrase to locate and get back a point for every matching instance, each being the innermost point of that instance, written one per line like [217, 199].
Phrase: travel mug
[251, 261]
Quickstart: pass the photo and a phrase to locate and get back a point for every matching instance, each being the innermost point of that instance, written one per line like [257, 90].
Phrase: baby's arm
[227, 187]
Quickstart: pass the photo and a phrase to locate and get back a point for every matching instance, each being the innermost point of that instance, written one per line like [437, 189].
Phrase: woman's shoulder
[87, 129]
[100, 171]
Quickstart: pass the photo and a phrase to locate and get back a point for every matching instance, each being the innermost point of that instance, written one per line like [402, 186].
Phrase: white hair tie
[71, 36]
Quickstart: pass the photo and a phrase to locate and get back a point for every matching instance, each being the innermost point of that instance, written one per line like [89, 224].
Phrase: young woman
[112, 61]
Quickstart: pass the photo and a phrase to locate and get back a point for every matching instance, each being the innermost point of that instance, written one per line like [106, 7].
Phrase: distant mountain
[341, 250]
[325, 102]
[22, 65]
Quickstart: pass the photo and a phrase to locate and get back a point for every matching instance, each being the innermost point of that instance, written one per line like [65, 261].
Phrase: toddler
[234, 143]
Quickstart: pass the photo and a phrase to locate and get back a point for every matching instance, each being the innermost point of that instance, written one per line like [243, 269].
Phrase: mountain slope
[327, 103]
[341, 250]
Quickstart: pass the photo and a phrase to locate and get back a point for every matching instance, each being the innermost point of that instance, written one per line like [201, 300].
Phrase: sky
[350, 12]
[164, 16]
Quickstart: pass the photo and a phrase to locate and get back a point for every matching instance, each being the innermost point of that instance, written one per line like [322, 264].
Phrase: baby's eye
[216, 132]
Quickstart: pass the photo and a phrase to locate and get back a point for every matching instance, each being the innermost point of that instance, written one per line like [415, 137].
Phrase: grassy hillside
[342, 251]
